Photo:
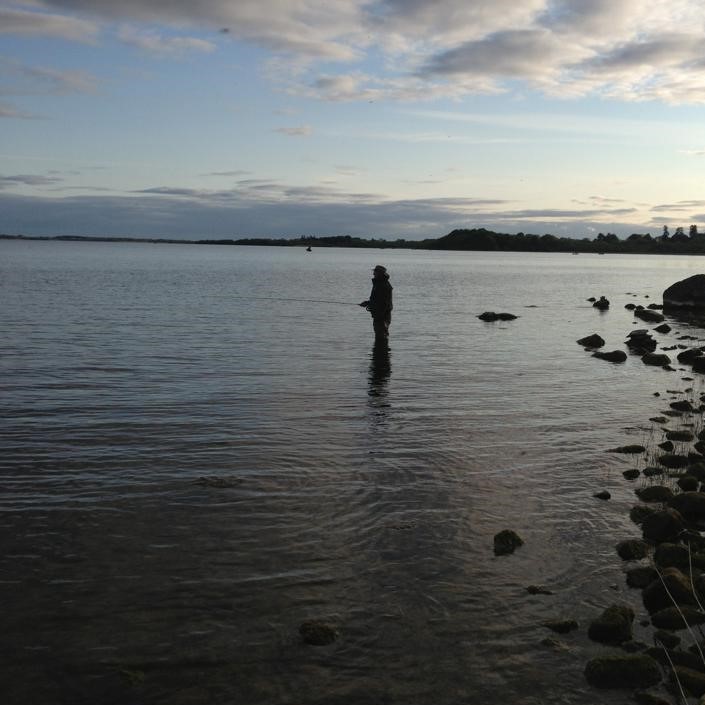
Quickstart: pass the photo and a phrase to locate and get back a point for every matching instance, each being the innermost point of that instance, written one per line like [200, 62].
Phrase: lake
[201, 452]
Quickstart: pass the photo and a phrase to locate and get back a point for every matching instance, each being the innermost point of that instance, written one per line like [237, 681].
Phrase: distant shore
[476, 239]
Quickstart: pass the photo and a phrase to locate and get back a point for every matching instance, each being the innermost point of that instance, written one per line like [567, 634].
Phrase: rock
[640, 342]
[538, 590]
[668, 639]
[688, 293]
[641, 576]
[673, 461]
[680, 436]
[662, 526]
[654, 493]
[663, 328]
[633, 549]
[697, 470]
[602, 303]
[671, 587]
[561, 626]
[591, 299]
[492, 316]
[591, 341]
[658, 419]
[690, 504]
[682, 405]
[699, 364]
[687, 356]
[634, 448]
[318, 633]
[667, 446]
[639, 512]
[692, 681]
[219, 482]
[653, 470]
[623, 671]
[631, 474]
[673, 618]
[633, 646]
[630, 307]
[646, 314]
[604, 494]
[506, 541]
[613, 626]
[672, 555]
[656, 359]
[688, 483]
[612, 356]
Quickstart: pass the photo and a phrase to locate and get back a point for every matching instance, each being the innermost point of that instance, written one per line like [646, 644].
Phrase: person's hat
[380, 268]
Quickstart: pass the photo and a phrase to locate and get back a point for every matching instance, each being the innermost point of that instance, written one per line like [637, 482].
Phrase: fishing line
[309, 301]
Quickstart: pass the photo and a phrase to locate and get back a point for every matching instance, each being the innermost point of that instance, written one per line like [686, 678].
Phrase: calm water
[361, 490]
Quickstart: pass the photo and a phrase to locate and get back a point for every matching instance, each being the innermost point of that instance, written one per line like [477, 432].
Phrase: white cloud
[300, 131]
[25, 23]
[153, 42]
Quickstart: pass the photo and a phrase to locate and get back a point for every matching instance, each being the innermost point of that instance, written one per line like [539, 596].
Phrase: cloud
[24, 23]
[301, 131]
[23, 79]
[155, 43]
[28, 180]
[10, 111]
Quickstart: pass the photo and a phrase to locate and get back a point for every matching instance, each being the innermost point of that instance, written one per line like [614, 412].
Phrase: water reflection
[378, 378]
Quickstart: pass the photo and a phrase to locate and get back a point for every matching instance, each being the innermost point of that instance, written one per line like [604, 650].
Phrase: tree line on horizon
[479, 239]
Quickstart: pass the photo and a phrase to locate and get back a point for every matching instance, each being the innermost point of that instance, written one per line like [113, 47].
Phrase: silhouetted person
[380, 304]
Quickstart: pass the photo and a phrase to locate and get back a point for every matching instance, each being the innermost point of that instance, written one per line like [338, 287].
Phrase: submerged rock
[680, 435]
[561, 626]
[591, 341]
[673, 460]
[682, 405]
[506, 541]
[631, 474]
[318, 633]
[654, 493]
[623, 671]
[687, 356]
[631, 449]
[641, 576]
[646, 314]
[663, 525]
[690, 504]
[663, 328]
[632, 549]
[492, 316]
[656, 359]
[672, 587]
[603, 494]
[602, 303]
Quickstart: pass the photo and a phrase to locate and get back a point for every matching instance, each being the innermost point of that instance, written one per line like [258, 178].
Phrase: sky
[372, 118]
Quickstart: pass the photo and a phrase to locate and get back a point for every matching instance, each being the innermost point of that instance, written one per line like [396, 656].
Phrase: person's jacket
[380, 302]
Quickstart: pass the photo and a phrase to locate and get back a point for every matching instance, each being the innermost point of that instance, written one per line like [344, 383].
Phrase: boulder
[668, 639]
[682, 405]
[654, 493]
[692, 681]
[667, 446]
[699, 364]
[632, 549]
[662, 526]
[688, 483]
[641, 576]
[673, 461]
[506, 541]
[671, 587]
[623, 671]
[639, 512]
[631, 474]
[688, 293]
[646, 314]
[613, 626]
[656, 359]
[492, 316]
[676, 555]
[612, 356]
[663, 328]
[691, 505]
[676, 618]
[630, 449]
[680, 436]
[591, 341]
[687, 356]
[640, 341]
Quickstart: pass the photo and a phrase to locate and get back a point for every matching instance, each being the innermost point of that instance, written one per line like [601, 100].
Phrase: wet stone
[318, 633]
[506, 541]
[632, 549]
[561, 626]
[623, 671]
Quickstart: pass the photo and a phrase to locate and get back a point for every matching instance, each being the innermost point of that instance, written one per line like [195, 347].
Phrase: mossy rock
[663, 525]
[632, 549]
[679, 436]
[677, 618]
[654, 493]
[690, 504]
[613, 626]
[623, 671]
[671, 587]
[688, 483]
[318, 633]
[506, 541]
[639, 512]
[674, 555]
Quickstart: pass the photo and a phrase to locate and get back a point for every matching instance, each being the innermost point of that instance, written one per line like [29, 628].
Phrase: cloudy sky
[377, 118]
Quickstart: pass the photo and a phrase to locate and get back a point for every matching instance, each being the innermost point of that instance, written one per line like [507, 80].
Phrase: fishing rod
[310, 301]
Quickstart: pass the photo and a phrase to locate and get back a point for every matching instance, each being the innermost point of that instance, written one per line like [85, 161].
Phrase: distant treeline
[679, 242]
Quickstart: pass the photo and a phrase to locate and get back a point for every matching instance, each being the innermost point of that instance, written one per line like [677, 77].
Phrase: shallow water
[360, 489]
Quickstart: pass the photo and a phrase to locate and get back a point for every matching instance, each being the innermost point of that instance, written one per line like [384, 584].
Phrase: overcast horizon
[371, 118]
